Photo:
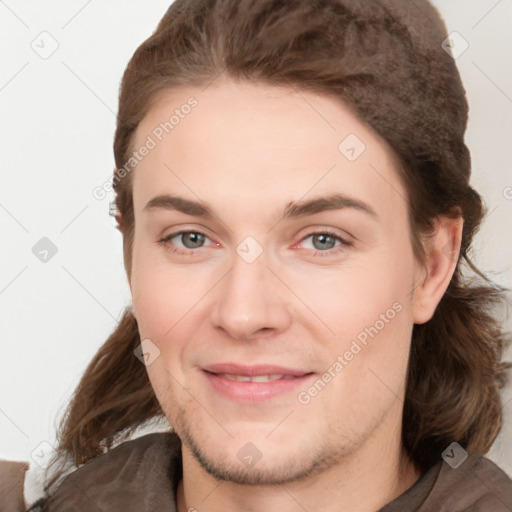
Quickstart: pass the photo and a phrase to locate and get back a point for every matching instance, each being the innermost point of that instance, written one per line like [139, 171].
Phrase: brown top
[142, 476]
[12, 475]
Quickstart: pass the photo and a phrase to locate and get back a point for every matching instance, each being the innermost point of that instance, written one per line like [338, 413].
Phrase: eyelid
[185, 228]
[322, 229]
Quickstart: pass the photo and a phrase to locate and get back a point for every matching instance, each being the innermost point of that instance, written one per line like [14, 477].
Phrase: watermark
[351, 147]
[249, 455]
[249, 249]
[147, 352]
[451, 249]
[44, 250]
[43, 454]
[455, 45]
[157, 135]
[454, 455]
[44, 45]
[357, 344]
[507, 193]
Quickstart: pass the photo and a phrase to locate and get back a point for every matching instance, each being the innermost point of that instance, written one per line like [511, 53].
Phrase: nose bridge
[248, 300]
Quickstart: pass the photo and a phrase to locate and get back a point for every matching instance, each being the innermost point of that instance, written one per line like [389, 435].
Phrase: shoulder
[134, 475]
[12, 475]
[477, 485]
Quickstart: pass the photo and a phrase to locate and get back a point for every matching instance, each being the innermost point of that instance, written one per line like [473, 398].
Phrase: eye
[325, 243]
[186, 241]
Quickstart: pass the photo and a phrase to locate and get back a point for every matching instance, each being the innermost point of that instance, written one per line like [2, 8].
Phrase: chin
[264, 462]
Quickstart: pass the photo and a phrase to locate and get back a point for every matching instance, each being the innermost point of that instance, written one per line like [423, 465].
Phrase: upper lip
[253, 370]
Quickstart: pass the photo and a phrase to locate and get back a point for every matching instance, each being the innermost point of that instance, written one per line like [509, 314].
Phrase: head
[313, 152]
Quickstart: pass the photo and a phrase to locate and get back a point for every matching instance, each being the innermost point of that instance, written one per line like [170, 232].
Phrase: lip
[254, 392]
[253, 370]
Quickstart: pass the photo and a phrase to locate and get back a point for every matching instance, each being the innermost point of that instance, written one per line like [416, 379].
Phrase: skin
[249, 150]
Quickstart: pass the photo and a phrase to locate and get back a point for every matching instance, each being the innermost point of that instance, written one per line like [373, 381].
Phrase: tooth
[239, 378]
[259, 378]
[255, 378]
[266, 378]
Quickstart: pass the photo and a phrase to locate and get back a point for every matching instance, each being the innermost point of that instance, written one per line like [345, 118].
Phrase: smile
[255, 378]
[253, 384]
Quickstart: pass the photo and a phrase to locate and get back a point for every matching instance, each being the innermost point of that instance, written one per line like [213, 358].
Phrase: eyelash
[329, 252]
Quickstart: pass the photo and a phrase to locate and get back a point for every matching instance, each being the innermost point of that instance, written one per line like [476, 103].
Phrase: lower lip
[251, 392]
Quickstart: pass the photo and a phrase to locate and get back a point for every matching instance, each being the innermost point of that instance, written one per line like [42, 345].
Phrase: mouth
[251, 384]
[254, 378]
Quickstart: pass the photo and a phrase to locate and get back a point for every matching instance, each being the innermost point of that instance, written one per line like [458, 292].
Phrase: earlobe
[442, 253]
[132, 310]
[131, 307]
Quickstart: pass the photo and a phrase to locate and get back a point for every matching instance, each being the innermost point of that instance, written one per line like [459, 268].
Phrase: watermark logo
[451, 249]
[249, 249]
[351, 147]
[249, 455]
[151, 142]
[43, 454]
[356, 346]
[454, 455]
[44, 250]
[455, 45]
[45, 45]
[147, 352]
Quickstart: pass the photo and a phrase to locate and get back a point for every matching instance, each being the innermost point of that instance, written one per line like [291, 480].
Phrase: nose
[250, 301]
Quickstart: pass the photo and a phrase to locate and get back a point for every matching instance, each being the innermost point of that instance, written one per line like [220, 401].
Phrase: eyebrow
[293, 210]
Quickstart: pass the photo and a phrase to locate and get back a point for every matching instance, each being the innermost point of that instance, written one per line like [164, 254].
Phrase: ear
[131, 306]
[441, 256]
[119, 221]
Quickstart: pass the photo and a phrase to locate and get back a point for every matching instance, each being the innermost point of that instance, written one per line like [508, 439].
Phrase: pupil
[192, 240]
[325, 241]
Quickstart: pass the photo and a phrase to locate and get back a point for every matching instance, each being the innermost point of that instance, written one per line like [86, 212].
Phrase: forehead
[260, 141]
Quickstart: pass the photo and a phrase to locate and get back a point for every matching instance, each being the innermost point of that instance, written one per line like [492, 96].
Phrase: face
[272, 275]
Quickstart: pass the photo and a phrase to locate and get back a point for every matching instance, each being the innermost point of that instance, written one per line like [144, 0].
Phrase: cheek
[373, 325]
[361, 294]
[160, 302]
[369, 309]
[162, 293]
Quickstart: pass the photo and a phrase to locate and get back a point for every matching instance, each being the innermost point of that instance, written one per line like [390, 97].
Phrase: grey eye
[192, 239]
[322, 241]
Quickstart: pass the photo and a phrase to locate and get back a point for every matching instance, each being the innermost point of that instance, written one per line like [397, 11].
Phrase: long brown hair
[383, 58]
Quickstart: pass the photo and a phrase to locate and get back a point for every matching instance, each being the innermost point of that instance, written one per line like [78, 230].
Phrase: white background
[57, 120]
